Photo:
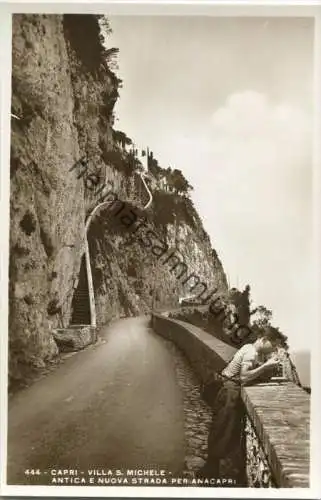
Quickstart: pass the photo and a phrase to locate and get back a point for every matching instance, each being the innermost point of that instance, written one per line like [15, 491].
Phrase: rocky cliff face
[63, 94]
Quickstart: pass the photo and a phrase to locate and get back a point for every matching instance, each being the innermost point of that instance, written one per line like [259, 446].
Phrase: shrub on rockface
[175, 181]
[178, 182]
[164, 208]
[121, 139]
[84, 34]
[170, 208]
[241, 302]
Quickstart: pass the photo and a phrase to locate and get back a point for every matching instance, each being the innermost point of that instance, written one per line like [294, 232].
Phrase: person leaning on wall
[247, 366]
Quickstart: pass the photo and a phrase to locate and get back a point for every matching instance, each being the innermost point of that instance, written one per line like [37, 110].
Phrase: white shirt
[246, 355]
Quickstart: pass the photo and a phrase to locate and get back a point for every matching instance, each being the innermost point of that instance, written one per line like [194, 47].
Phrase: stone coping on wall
[205, 352]
[280, 414]
[279, 411]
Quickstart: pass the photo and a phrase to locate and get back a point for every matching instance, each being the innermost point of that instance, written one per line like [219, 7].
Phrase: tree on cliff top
[263, 316]
[104, 25]
[263, 320]
[87, 35]
[179, 183]
[153, 166]
[121, 138]
[174, 178]
[241, 301]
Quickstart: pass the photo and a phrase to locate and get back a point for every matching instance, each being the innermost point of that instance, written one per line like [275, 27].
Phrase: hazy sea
[302, 361]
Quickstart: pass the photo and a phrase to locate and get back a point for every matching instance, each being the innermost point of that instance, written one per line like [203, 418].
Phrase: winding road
[114, 405]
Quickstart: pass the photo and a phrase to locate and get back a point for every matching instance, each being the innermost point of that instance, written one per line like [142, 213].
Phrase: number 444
[32, 472]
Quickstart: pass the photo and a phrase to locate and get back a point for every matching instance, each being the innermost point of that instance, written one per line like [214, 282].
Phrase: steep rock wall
[145, 277]
[47, 202]
[64, 100]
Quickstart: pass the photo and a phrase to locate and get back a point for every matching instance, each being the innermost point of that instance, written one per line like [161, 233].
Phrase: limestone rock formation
[63, 93]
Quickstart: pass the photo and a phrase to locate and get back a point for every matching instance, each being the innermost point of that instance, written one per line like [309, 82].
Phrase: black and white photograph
[161, 294]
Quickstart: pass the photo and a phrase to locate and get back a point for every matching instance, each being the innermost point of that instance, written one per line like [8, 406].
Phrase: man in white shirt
[227, 428]
[248, 362]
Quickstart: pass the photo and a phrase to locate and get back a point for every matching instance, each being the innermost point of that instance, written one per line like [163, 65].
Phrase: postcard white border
[195, 8]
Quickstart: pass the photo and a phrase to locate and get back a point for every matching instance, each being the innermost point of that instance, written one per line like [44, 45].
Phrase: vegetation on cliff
[84, 32]
[64, 88]
[234, 309]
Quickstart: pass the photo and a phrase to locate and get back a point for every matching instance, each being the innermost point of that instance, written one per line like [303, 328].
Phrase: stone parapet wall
[258, 471]
[205, 353]
[278, 413]
[280, 416]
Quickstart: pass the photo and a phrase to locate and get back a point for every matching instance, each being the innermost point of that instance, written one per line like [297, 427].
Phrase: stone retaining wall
[278, 413]
[205, 352]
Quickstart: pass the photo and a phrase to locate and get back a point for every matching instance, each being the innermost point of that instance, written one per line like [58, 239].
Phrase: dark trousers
[227, 428]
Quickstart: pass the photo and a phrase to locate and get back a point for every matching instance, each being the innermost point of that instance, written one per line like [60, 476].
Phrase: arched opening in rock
[80, 302]
[106, 225]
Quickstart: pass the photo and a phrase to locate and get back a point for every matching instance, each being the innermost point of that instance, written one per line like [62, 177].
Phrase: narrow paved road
[114, 405]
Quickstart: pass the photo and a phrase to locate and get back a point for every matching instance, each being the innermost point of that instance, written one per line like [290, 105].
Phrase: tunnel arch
[80, 304]
[83, 307]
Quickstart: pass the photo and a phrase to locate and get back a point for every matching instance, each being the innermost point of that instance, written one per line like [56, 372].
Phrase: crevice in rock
[28, 223]
[47, 242]
[28, 299]
[54, 307]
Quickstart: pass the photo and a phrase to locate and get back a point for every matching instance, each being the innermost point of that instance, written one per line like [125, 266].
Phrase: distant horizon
[229, 102]
[302, 362]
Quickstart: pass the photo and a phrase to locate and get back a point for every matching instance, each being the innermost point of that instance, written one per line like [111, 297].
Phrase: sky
[229, 102]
